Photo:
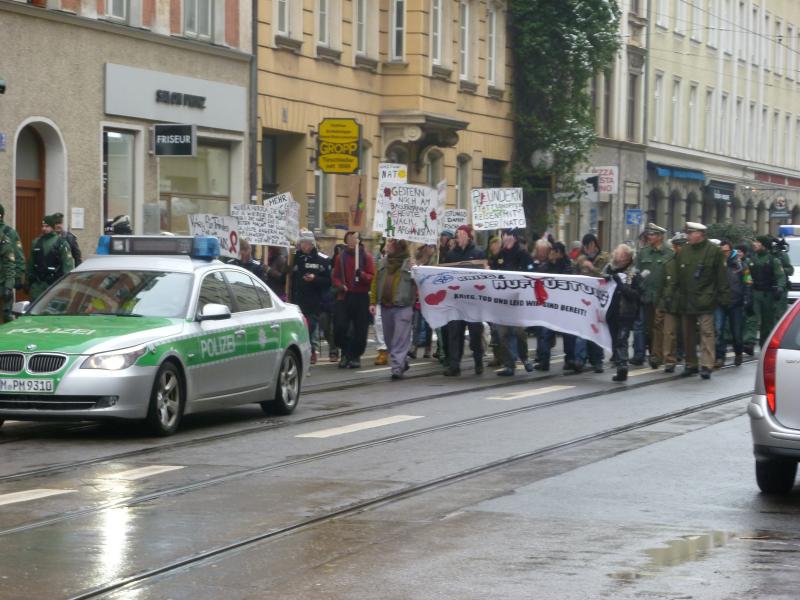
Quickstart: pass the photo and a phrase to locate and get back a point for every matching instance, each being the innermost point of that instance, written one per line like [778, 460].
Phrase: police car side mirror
[20, 308]
[214, 312]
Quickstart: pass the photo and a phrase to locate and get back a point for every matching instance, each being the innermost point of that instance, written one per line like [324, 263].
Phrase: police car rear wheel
[166, 401]
[775, 476]
[287, 388]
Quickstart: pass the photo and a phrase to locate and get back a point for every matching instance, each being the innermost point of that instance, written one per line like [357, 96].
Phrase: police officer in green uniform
[769, 287]
[19, 260]
[650, 262]
[780, 251]
[7, 275]
[50, 258]
[702, 284]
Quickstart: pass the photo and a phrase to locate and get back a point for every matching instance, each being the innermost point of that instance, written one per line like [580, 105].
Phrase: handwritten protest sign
[412, 214]
[497, 208]
[389, 176]
[573, 304]
[252, 222]
[223, 228]
[287, 213]
[453, 218]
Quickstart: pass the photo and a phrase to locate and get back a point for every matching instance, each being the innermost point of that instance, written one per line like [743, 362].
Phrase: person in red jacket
[351, 286]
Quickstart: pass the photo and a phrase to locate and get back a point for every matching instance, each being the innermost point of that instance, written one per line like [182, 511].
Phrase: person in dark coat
[311, 277]
[625, 305]
[74, 248]
[559, 264]
[740, 298]
[465, 250]
[246, 261]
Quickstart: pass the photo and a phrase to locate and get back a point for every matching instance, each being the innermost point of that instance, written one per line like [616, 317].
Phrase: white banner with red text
[573, 304]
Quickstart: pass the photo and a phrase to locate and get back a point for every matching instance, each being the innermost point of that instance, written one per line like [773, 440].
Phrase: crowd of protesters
[680, 299]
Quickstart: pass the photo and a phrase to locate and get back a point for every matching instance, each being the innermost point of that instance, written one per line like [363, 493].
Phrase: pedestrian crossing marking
[326, 433]
[529, 393]
[142, 472]
[30, 495]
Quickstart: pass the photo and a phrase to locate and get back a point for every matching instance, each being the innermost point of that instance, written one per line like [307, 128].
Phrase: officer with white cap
[650, 261]
[700, 284]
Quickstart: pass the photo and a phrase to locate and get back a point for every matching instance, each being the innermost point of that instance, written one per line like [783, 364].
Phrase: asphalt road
[540, 486]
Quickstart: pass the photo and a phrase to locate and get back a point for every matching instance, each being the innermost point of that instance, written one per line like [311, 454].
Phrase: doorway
[30, 187]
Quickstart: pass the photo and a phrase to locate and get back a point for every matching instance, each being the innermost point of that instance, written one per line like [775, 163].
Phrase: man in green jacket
[769, 286]
[19, 260]
[702, 284]
[50, 258]
[650, 262]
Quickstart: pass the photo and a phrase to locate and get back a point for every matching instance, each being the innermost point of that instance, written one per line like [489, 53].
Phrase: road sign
[175, 140]
[633, 216]
[339, 146]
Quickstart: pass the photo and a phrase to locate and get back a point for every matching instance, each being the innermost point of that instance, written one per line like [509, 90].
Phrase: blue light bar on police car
[157, 245]
[788, 230]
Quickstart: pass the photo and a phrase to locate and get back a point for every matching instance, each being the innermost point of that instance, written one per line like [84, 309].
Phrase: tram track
[197, 559]
[318, 456]
[65, 467]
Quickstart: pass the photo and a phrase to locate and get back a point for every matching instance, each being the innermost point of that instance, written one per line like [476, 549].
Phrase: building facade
[427, 80]
[87, 80]
[724, 116]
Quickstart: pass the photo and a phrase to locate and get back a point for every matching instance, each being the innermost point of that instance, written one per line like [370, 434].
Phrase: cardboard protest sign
[389, 175]
[287, 213]
[252, 222]
[412, 215]
[222, 227]
[573, 304]
[453, 218]
[497, 208]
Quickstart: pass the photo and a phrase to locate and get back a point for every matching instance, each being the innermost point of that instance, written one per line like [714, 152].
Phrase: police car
[791, 233]
[151, 328]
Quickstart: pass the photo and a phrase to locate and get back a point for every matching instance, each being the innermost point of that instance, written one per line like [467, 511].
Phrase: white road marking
[30, 495]
[529, 393]
[142, 472]
[373, 370]
[644, 371]
[326, 433]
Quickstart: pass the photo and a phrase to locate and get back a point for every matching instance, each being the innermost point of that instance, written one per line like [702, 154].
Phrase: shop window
[118, 174]
[192, 185]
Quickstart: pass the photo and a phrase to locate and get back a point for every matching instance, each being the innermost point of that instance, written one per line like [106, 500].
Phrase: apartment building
[724, 114]
[428, 81]
[87, 80]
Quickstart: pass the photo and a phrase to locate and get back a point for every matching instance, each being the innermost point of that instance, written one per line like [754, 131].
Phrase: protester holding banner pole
[624, 308]
[464, 251]
[422, 332]
[590, 262]
[394, 290]
[558, 263]
[352, 276]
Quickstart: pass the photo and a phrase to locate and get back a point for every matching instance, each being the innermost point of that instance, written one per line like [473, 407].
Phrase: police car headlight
[113, 361]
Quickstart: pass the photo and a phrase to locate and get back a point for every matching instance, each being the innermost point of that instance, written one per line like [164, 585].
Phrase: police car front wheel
[166, 401]
[287, 388]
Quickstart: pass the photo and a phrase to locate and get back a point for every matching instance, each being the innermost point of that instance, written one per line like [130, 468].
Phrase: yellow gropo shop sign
[339, 146]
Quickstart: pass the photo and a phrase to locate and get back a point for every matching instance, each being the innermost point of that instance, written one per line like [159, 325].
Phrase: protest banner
[389, 175]
[497, 208]
[252, 222]
[453, 218]
[222, 227]
[411, 214]
[573, 304]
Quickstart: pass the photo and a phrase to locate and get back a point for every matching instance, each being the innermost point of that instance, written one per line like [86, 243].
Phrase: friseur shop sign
[175, 140]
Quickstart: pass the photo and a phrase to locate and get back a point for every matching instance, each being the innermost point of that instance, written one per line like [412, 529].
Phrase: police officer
[50, 258]
[769, 287]
[669, 304]
[780, 250]
[7, 275]
[70, 238]
[702, 284]
[650, 263]
[19, 259]
[311, 278]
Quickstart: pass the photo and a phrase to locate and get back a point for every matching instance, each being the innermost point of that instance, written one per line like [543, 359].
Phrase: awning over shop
[676, 172]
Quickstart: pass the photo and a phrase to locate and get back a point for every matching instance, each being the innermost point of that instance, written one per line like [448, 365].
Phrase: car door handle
[239, 332]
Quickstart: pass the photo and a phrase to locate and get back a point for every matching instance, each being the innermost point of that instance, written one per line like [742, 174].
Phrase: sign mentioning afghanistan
[339, 146]
[175, 140]
[497, 208]
[573, 304]
[411, 214]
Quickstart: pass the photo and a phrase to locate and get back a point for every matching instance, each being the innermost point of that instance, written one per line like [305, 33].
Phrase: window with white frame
[680, 17]
[491, 45]
[117, 9]
[791, 50]
[741, 29]
[738, 128]
[283, 19]
[398, 29]
[661, 14]
[632, 107]
[751, 132]
[713, 24]
[723, 124]
[658, 103]
[753, 40]
[463, 39]
[698, 20]
[693, 114]
[777, 43]
[726, 26]
[766, 51]
[323, 25]
[708, 143]
[197, 18]
[436, 32]
[676, 111]
[463, 178]
[365, 19]
[764, 150]
[775, 146]
[787, 141]
[360, 20]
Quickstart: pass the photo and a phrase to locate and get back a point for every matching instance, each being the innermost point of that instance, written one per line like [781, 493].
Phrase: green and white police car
[152, 328]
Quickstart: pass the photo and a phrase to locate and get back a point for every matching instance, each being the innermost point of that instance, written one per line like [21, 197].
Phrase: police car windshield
[121, 293]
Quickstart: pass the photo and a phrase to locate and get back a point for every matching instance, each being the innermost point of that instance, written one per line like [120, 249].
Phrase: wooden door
[29, 215]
